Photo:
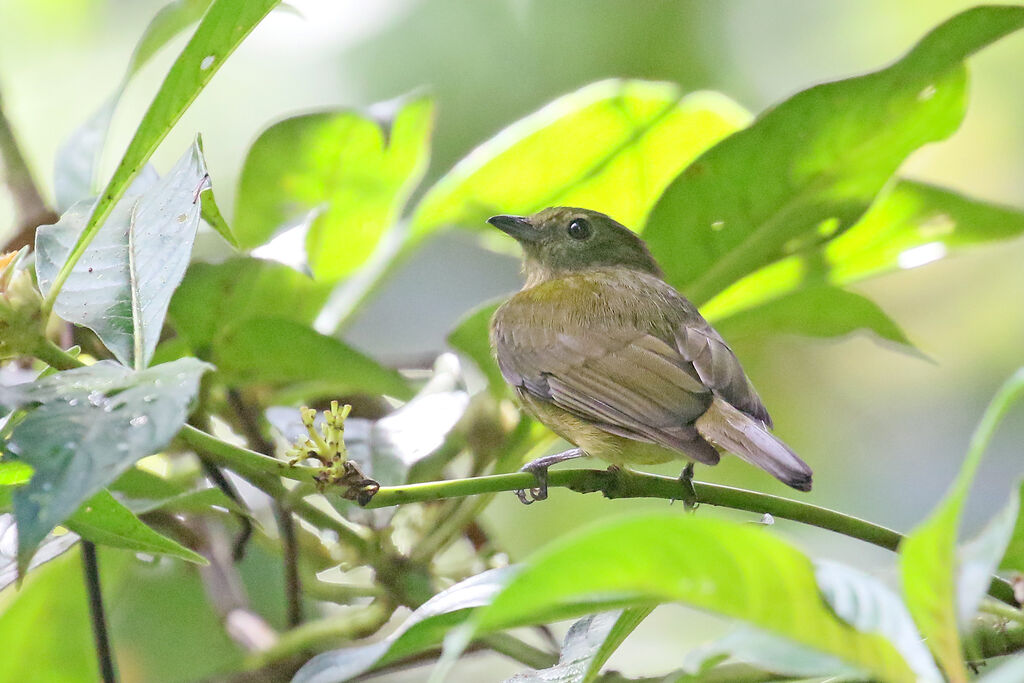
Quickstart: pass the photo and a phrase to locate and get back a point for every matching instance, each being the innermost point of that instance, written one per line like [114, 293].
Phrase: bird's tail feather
[737, 432]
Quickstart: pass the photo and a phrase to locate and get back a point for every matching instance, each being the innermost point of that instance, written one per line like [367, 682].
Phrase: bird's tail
[737, 432]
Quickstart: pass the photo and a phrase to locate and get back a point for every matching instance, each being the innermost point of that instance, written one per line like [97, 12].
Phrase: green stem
[313, 635]
[522, 652]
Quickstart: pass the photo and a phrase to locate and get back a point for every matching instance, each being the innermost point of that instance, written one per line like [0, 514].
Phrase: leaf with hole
[814, 162]
[225, 24]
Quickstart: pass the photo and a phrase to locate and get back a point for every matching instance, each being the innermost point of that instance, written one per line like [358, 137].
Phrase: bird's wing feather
[716, 364]
[627, 381]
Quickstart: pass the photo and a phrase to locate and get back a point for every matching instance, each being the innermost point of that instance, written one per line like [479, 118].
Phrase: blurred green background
[884, 430]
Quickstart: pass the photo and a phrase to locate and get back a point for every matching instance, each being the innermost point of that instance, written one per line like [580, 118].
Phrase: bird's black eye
[579, 229]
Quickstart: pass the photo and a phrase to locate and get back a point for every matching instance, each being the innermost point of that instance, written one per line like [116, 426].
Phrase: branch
[31, 210]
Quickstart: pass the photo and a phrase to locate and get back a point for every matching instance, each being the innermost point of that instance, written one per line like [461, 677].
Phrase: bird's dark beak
[516, 226]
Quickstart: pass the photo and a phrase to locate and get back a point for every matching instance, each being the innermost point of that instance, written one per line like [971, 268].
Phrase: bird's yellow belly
[594, 441]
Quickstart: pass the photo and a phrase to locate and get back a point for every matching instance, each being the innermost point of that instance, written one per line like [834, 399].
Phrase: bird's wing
[628, 382]
[715, 363]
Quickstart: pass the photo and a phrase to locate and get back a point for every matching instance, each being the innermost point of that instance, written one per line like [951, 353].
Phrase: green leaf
[354, 169]
[122, 286]
[214, 297]
[928, 554]
[979, 558]
[277, 351]
[220, 31]
[587, 646]
[108, 417]
[870, 606]
[424, 628]
[612, 146]
[55, 545]
[78, 158]
[815, 162]
[734, 570]
[909, 225]
[1013, 558]
[766, 652]
[819, 311]
[471, 337]
[212, 216]
[103, 520]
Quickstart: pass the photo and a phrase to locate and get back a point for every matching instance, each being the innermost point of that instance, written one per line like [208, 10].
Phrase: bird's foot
[539, 468]
[689, 495]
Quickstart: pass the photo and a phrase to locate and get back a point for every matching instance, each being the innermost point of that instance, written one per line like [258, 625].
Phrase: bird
[602, 350]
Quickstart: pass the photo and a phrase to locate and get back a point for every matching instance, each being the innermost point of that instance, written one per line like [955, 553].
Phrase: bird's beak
[518, 227]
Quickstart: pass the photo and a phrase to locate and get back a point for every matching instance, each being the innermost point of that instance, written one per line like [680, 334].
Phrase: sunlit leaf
[909, 225]
[109, 417]
[104, 521]
[214, 297]
[611, 146]
[928, 554]
[123, 283]
[354, 169]
[821, 311]
[212, 216]
[222, 28]
[423, 629]
[814, 163]
[277, 351]
[734, 570]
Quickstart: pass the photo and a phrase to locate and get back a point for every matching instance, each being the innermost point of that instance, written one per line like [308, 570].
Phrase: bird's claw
[689, 494]
[539, 492]
[531, 496]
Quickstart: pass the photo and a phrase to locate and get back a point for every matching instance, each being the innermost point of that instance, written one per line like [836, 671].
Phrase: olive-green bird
[614, 360]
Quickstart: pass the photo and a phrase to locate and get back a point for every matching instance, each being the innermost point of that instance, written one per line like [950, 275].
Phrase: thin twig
[290, 547]
[104, 655]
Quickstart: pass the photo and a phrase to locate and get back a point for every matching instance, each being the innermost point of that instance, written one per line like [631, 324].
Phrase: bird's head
[563, 239]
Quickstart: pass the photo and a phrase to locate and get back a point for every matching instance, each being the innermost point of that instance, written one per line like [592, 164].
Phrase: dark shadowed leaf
[277, 351]
[908, 226]
[356, 169]
[587, 646]
[424, 628]
[811, 166]
[110, 417]
[734, 570]
[928, 555]
[213, 297]
[611, 146]
[123, 283]
[820, 311]
[104, 521]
